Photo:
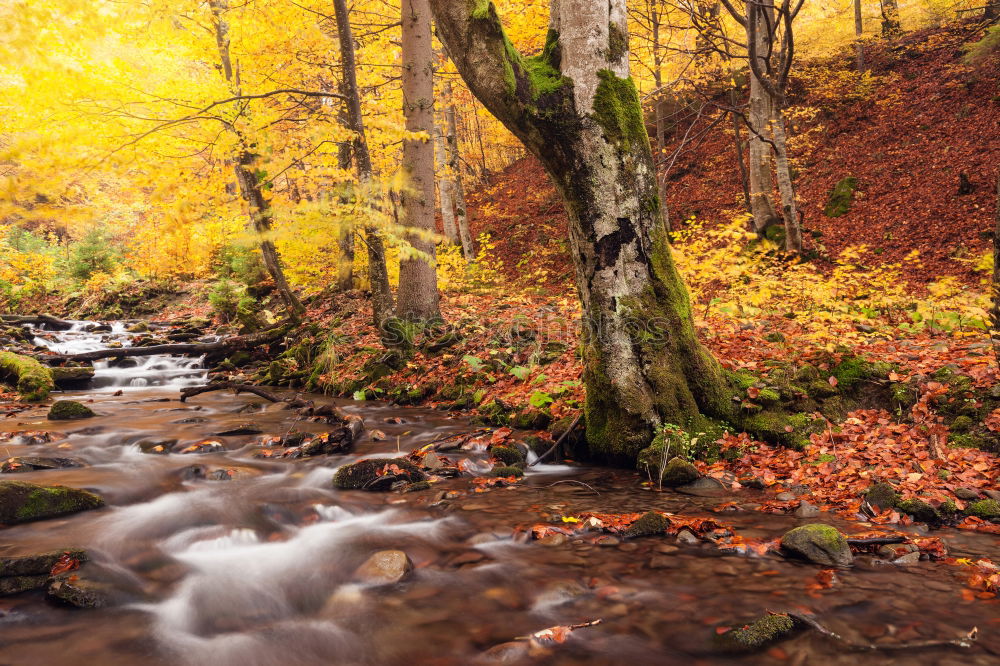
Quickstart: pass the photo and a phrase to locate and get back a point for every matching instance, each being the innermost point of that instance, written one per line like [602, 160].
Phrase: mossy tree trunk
[576, 109]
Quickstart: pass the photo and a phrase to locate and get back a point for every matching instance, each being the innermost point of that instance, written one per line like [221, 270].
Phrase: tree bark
[447, 204]
[577, 110]
[378, 274]
[793, 231]
[417, 296]
[996, 262]
[455, 168]
[890, 18]
[251, 188]
[345, 267]
[991, 12]
[760, 149]
[859, 49]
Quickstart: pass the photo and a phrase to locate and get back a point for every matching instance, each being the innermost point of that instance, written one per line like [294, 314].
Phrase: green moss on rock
[66, 410]
[987, 509]
[22, 502]
[649, 524]
[791, 430]
[32, 379]
[841, 197]
[757, 635]
[882, 496]
[818, 543]
[920, 510]
[508, 455]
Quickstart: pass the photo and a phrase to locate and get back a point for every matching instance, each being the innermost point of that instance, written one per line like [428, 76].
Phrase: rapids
[259, 569]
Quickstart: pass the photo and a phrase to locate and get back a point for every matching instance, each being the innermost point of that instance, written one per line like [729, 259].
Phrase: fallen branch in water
[964, 642]
[558, 441]
[574, 481]
[192, 391]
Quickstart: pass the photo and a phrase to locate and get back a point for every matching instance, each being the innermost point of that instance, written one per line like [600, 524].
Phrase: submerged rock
[806, 510]
[66, 410]
[80, 592]
[757, 635]
[384, 568]
[706, 486]
[31, 464]
[22, 502]
[33, 572]
[243, 429]
[818, 543]
[377, 474]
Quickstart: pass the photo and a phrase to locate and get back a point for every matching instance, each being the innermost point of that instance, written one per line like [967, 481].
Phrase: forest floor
[930, 425]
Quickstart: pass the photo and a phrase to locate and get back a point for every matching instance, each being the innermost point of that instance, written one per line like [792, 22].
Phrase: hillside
[923, 118]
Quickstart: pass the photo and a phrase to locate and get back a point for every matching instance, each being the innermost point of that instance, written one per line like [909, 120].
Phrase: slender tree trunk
[793, 231]
[455, 168]
[444, 182]
[378, 275]
[417, 297]
[859, 29]
[345, 267]
[738, 145]
[760, 149]
[996, 262]
[660, 114]
[643, 364]
[251, 188]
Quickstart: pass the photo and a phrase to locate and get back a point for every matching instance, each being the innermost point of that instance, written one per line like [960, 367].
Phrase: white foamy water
[159, 371]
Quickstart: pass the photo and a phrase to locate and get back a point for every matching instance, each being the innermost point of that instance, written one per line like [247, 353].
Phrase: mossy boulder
[377, 474]
[508, 455]
[22, 502]
[852, 371]
[882, 496]
[532, 419]
[72, 376]
[67, 410]
[920, 510]
[679, 472]
[791, 430]
[32, 379]
[818, 543]
[987, 509]
[649, 524]
[39, 564]
[757, 635]
[841, 197]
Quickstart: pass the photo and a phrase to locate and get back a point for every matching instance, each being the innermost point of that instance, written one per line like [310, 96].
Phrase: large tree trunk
[455, 168]
[578, 112]
[378, 275]
[760, 148]
[991, 12]
[793, 231]
[250, 186]
[417, 297]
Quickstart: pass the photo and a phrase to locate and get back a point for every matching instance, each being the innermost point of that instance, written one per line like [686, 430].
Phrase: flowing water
[258, 569]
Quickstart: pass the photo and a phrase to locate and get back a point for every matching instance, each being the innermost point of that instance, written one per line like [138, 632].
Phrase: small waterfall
[160, 371]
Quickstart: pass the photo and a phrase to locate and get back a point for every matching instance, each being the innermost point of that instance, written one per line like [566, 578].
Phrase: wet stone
[663, 562]
[688, 538]
[706, 486]
[628, 547]
[806, 510]
[784, 497]
[608, 540]
[31, 464]
[384, 568]
[554, 539]
[908, 559]
[966, 494]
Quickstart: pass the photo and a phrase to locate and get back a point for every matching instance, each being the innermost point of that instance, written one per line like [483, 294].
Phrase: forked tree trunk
[577, 110]
[783, 170]
[759, 165]
[417, 296]
[378, 275]
[455, 167]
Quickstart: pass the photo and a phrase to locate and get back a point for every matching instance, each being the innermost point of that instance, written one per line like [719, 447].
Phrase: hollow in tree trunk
[576, 109]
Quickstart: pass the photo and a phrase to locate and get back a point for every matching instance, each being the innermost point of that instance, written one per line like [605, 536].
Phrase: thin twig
[557, 442]
[964, 642]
